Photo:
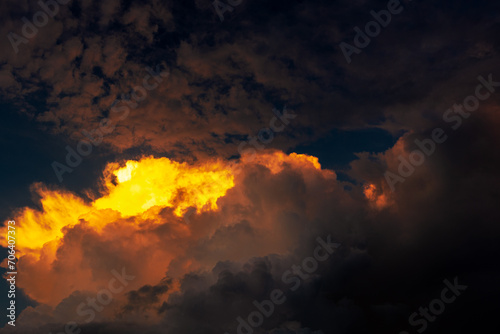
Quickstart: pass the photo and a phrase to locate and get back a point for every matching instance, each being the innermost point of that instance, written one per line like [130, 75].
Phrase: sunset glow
[256, 167]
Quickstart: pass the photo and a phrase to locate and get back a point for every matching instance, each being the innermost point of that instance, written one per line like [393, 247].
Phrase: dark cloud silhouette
[224, 80]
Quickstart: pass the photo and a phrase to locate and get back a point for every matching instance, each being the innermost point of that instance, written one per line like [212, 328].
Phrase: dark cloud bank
[225, 78]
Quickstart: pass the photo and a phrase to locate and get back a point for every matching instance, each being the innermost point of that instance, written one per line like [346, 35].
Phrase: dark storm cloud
[392, 260]
[225, 79]
[396, 264]
[145, 296]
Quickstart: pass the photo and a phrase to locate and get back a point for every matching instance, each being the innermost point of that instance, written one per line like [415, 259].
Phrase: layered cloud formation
[224, 81]
[138, 225]
[205, 272]
[171, 228]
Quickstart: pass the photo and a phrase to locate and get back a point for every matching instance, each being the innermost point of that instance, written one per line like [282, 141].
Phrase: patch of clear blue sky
[337, 149]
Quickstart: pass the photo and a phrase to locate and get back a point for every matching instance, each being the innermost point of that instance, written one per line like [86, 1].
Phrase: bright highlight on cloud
[164, 183]
[59, 209]
[132, 190]
[138, 221]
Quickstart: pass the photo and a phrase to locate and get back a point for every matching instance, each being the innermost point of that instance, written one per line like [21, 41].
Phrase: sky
[236, 166]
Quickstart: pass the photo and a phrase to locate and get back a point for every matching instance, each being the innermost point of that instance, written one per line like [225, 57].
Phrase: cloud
[224, 81]
[204, 274]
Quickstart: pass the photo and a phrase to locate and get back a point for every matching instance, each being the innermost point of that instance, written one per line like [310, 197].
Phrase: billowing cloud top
[181, 168]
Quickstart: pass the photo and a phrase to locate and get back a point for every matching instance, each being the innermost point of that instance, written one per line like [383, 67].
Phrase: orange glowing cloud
[277, 160]
[137, 222]
[164, 183]
[35, 228]
[376, 197]
[131, 190]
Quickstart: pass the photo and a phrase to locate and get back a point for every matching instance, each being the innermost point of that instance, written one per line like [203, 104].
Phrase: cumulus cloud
[200, 273]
